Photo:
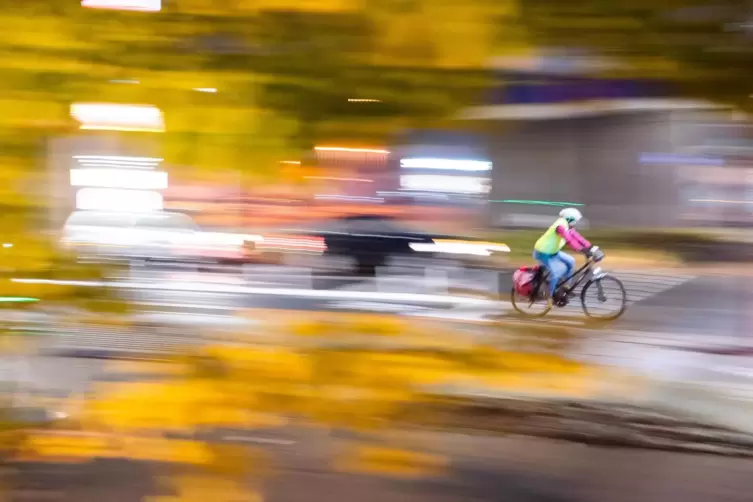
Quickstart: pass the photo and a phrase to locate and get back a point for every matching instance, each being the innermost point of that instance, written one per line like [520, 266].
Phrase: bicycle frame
[581, 275]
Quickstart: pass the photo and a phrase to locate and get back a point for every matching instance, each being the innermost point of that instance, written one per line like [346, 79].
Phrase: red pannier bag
[522, 280]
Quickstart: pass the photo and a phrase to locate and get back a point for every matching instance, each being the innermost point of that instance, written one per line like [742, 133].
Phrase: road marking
[258, 440]
[281, 292]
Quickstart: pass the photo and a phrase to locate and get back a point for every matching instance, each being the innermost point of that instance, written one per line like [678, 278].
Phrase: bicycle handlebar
[594, 254]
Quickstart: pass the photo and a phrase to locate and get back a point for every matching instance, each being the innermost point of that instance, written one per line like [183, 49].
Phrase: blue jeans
[560, 265]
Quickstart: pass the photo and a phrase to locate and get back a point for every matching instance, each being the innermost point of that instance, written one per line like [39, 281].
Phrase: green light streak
[538, 202]
[17, 299]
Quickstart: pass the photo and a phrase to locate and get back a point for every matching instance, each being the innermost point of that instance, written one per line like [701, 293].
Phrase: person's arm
[573, 238]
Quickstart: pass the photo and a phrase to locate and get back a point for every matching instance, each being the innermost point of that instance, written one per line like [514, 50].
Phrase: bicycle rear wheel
[531, 308]
[604, 298]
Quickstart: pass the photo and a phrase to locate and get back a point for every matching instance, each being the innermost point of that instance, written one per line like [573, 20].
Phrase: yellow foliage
[266, 363]
[166, 450]
[81, 448]
[46, 32]
[63, 447]
[28, 253]
[419, 37]
[583, 385]
[414, 368]
[391, 461]
[231, 414]
[378, 325]
[208, 7]
[180, 405]
[351, 324]
[144, 406]
[311, 328]
[234, 461]
[202, 488]
[23, 113]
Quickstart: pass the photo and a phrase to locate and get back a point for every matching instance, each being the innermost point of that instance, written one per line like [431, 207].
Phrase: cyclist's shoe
[560, 298]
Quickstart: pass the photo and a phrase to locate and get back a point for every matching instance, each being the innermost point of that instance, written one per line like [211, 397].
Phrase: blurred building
[350, 173]
[444, 168]
[104, 171]
[618, 148]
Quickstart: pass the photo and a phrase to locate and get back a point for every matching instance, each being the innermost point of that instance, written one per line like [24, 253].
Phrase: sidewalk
[729, 405]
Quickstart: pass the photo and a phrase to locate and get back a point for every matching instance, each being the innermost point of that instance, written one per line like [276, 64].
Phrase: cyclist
[548, 249]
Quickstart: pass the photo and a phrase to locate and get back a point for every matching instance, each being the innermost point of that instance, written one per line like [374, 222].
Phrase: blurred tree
[703, 46]
[243, 84]
[276, 74]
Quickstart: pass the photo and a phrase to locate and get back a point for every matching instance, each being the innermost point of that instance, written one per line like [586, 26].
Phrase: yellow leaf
[75, 448]
[166, 450]
[203, 488]
[391, 461]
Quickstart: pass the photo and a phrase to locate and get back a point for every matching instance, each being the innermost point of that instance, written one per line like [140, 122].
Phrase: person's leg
[557, 270]
[555, 267]
[545, 260]
[569, 262]
[567, 265]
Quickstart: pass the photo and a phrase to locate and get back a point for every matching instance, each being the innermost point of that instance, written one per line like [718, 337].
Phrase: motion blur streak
[137, 5]
[117, 117]
[384, 250]
[119, 178]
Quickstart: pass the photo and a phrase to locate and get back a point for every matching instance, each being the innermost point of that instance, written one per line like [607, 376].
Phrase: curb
[592, 422]
[725, 410]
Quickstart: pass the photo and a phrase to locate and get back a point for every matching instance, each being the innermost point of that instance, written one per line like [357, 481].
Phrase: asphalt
[705, 305]
[514, 469]
[521, 469]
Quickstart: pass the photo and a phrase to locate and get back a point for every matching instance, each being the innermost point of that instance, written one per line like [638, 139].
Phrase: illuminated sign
[119, 178]
[117, 117]
[446, 164]
[447, 184]
[119, 200]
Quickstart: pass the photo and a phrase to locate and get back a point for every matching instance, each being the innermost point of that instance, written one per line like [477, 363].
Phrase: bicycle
[595, 280]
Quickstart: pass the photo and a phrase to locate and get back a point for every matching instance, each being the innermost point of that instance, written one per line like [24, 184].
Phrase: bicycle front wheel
[604, 298]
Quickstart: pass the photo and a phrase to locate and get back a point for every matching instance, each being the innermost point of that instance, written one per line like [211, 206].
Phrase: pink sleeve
[573, 238]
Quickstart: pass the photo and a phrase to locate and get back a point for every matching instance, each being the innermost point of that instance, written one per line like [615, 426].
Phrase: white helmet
[571, 214]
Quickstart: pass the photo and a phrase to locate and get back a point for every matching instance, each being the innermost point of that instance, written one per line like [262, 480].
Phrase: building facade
[624, 151]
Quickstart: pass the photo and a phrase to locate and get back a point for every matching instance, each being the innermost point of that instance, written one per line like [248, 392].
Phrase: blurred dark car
[370, 240]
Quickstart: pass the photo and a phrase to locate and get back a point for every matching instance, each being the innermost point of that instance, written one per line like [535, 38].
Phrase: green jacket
[551, 242]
